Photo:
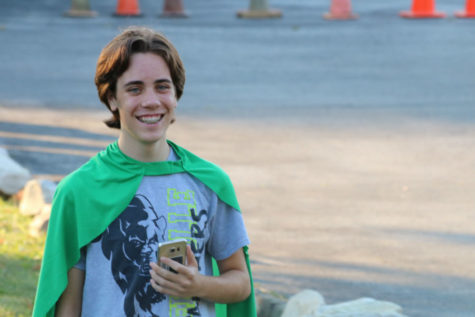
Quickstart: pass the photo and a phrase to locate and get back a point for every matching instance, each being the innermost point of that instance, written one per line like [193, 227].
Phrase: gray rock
[310, 303]
[13, 177]
[305, 303]
[269, 305]
[40, 222]
[37, 193]
[363, 307]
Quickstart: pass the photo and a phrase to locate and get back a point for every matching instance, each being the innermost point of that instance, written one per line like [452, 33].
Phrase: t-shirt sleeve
[228, 233]
[82, 260]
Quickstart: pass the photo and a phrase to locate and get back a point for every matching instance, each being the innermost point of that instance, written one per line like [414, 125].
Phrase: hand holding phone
[175, 250]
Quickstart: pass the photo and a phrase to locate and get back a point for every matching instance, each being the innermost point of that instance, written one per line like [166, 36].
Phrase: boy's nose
[150, 100]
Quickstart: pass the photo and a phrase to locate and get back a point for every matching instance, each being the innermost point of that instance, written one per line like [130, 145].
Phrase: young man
[109, 216]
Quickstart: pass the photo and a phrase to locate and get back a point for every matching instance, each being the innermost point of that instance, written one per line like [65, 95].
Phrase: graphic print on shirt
[129, 243]
[185, 223]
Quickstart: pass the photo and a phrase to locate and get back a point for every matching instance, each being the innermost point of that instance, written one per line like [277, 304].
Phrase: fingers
[163, 290]
[170, 283]
[163, 273]
[183, 281]
[165, 282]
[177, 267]
[190, 257]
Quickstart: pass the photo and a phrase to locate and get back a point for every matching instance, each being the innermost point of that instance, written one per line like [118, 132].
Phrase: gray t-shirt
[116, 264]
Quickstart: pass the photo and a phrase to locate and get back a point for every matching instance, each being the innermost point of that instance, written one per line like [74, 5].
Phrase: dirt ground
[380, 208]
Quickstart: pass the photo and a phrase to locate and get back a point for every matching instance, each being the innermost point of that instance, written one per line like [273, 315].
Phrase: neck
[145, 152]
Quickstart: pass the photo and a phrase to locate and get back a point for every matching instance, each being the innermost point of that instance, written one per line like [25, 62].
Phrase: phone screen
[175, 250]
[178, 259]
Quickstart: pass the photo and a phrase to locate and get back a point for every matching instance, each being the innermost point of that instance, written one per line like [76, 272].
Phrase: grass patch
[20, 261]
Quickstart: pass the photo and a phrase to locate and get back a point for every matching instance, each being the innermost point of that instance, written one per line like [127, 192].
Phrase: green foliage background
[20, 261]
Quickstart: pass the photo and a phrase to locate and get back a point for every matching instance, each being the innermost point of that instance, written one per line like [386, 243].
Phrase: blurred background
[351, 144]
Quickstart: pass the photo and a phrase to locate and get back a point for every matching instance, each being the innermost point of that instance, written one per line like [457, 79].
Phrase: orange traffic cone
[422, 9]
[259, 9]
[127, 8]
[80, 9]
[173, 9]
[340, 10]
[469, 10]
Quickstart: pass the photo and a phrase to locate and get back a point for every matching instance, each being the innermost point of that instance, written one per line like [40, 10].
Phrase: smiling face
[146, 100]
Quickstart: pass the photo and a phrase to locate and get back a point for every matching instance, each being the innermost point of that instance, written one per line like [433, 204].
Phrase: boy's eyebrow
[133, 82]
[163, 80]
[139, 82]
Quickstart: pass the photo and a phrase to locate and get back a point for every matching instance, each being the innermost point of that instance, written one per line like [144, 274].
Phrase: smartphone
[175, 250]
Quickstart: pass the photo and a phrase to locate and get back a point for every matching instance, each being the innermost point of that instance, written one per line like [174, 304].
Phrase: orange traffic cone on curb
[422, 9]
[340, 10]
[80, 9]
[127, 8]
[469, 10]
[259, 9]
[173, 9]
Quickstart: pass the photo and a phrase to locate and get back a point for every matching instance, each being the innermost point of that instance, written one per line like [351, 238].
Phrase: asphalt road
[377, 114]
[273, 67]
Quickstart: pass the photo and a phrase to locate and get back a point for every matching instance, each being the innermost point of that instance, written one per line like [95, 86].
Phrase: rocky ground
[371, 207]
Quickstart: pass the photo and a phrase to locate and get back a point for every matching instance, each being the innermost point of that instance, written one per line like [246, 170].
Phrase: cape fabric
[89, 199]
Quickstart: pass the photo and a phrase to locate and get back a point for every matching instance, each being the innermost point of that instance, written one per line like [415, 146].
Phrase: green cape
[80, 214]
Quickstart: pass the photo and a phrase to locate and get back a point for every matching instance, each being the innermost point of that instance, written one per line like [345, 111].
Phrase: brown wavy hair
[114, 60]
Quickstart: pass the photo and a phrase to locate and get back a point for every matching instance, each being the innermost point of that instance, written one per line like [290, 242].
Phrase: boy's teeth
[150, 119]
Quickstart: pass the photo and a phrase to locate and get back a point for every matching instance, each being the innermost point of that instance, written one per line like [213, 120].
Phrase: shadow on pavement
[50, 150]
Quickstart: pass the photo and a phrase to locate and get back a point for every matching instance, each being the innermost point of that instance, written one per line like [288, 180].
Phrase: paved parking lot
[351, 143]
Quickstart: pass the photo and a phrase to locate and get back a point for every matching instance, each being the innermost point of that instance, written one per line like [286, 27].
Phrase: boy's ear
[113, 104]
